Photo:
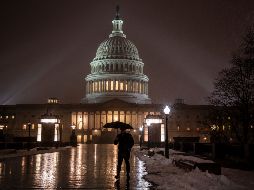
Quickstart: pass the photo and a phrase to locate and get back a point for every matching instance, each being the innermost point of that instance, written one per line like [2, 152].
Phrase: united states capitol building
[117, 89]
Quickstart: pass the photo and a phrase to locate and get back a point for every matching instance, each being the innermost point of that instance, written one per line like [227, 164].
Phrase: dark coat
[125, 142]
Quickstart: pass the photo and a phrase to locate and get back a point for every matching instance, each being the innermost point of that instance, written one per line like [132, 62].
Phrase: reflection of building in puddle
[77, 167]
[46, 170]
[111, 162]
[95, 162]
[23, 165]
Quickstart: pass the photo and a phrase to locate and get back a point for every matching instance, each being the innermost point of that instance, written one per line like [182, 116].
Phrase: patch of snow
[163, 173]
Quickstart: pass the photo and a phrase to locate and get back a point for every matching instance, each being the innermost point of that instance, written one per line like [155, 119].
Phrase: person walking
[125, 143]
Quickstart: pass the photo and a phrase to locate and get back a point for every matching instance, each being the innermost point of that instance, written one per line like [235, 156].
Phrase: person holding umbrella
[125, 142]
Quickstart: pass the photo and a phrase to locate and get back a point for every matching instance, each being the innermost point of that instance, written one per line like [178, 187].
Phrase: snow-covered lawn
[163, 173]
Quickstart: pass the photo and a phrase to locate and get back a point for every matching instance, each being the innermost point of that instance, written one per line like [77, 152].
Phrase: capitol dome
[117, 71]
[117, 47]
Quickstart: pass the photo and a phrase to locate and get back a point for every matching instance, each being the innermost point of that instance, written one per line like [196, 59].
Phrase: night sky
[46, 46]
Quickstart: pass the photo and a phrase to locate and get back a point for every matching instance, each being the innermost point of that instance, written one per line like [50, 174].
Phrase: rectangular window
[56, 132]
[117, 83]
[95, 86]
[85, 120]
[80, 121]
[109, 119]
[122, 116]
[39, 133]
[79, 138]
[145, 134]
[162, 133]
[107, 86]
[115, 115]
[91, 120]
[121, 86]
[73, 118]
[112, 85]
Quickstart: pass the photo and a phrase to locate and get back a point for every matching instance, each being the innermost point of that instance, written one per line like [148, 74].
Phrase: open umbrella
[117, 125]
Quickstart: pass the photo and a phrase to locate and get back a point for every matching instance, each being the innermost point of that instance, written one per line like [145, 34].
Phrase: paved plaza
[87, 166]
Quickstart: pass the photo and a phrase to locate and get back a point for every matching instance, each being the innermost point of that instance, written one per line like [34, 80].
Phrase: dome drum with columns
[117, 71]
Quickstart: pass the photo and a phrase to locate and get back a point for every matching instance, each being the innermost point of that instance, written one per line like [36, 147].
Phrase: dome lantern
[117, 25]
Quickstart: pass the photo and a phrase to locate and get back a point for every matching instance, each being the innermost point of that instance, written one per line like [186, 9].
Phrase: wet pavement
[86, 167]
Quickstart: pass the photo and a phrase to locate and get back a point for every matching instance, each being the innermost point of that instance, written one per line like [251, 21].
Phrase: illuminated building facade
[116, 90]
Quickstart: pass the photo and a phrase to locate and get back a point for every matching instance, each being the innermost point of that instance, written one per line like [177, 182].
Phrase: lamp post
[166, 112]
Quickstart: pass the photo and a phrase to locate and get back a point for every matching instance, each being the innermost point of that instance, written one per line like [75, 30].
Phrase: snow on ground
[163, 173]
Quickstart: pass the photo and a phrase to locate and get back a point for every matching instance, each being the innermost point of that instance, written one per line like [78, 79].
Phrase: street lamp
[166, 112]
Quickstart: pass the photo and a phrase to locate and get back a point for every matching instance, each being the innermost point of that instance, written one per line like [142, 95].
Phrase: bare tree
[234, 89]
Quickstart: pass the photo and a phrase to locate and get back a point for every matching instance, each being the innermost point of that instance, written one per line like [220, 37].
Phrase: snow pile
[163, 173]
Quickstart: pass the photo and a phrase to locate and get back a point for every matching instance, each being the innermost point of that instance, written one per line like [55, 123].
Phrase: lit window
[1, 127]
[229, 118]
[112, 85]
[33, 126]
[121, 86]
[39, 133]
[197, 129]
[7, 117]
[178, 128]
[1, 117]
[188, 129]
[24, 127]
[106, 85]
[145, 134]
[162, 133]
[117, 84]
[56, 132]
[115, 115]
[12, 116]
[95, 86]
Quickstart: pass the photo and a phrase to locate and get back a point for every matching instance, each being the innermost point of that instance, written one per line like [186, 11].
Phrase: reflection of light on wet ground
[87, 166]
[46, 166]
[111, 163]
[77, 167]
[2, 169]
[23, 164]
